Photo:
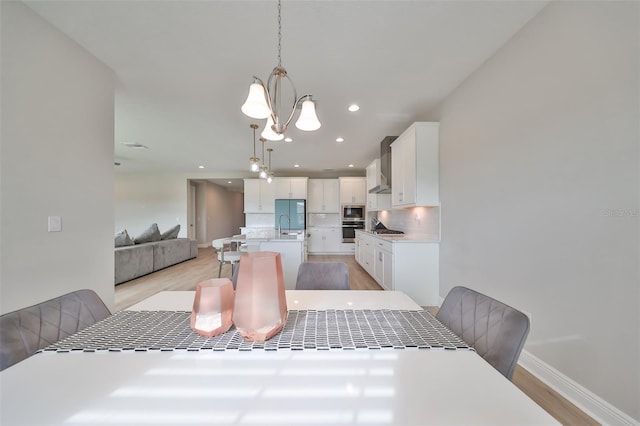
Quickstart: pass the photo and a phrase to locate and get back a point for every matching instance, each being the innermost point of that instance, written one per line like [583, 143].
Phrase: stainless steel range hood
[385, 167]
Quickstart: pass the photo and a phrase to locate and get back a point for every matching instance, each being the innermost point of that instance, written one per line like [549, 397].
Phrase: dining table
[343, 358]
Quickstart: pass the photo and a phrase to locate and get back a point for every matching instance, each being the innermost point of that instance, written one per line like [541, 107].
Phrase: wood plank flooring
[186, 275]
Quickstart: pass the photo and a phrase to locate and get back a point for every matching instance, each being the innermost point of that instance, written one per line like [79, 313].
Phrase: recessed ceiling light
[339, 140]
[296, 165]
[353, 107]
[201, 167]
[351, 165]
[229, 181]
[288, 140]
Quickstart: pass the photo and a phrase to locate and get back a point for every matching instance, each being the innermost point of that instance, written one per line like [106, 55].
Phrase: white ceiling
[183, 70]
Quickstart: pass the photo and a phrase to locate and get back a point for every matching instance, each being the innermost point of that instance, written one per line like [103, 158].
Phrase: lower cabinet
[383, 264]
[324, 240]
[409, 266]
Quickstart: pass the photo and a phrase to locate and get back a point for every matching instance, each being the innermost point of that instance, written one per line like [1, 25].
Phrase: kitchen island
[292, 248]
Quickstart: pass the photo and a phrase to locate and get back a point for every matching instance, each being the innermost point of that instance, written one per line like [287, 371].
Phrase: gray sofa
[134, 261]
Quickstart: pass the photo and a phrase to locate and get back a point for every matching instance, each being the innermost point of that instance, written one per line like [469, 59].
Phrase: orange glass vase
[260, 309]
[212, 307]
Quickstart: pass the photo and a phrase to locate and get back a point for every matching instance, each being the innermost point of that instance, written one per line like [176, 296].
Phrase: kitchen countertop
[277, 237]
[403, 238]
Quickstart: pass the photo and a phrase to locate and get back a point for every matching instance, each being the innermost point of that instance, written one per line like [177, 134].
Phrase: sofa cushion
[123, 239]
[149, 235]
[170, 233]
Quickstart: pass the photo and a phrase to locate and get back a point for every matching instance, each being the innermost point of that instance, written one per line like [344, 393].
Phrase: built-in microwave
[352, 212]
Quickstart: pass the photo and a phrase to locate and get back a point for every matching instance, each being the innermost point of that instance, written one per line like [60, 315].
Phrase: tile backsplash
[419, 221]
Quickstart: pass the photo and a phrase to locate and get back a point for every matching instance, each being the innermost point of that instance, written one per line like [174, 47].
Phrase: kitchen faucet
[280, 223]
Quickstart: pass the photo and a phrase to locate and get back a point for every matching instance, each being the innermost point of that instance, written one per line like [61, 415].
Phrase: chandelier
[265, 100]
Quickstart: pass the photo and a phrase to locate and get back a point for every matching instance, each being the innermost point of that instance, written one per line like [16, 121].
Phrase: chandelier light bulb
[268, 132]
[308, 120]
[263, 172]
[269, 177]
[256, 104]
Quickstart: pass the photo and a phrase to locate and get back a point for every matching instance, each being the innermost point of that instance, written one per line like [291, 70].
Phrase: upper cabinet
[259, 196]
[376, 201]
[353, 190]
[290, 187]
[323, 196]
[414, 167]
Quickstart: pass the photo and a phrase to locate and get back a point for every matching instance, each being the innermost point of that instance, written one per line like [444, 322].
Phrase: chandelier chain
[279, 34]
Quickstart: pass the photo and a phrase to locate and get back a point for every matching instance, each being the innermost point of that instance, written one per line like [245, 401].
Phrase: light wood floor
[186, 275]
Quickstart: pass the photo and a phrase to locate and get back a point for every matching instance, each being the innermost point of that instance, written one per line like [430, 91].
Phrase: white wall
[145, 198]
[540, 190]
[222, 212]
[162, 198]
[56, 159]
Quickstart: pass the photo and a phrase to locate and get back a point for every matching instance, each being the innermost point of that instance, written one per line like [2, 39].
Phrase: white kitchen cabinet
[407, 265]
[324, 240]
[376, 202]
[353, 190]
[290, 187]
[365, 249]
[414, 167]
[383, 263]
[373, 173]
[323, 196]
[259, 196]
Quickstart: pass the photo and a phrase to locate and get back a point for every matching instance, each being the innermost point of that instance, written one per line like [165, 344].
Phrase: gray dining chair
[25, 331]
[323, 276]
[496, 331]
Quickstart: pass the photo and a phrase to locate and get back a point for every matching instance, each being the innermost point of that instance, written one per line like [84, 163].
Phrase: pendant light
[269, 173]
[254, 161]
[263, 167]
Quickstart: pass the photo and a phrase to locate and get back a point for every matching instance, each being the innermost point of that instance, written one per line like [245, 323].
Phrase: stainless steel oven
[349, 228]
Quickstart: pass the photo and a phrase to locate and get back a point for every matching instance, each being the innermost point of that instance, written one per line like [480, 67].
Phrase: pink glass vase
[260, 309]
[212, 307]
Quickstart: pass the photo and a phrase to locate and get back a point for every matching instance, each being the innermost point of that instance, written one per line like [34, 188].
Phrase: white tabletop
[296, 299]
[389, 387]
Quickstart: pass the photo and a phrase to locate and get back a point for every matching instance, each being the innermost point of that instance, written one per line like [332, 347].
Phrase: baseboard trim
[596, 407]
[205, 245]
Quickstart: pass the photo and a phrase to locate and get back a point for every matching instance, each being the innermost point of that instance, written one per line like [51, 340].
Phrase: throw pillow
[151, 234]
[170, 233]
[123, 239]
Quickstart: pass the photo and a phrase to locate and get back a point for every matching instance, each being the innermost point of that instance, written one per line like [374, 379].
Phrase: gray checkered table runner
[311, 329]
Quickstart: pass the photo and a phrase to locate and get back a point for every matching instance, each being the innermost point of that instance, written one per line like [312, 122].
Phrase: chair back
[25, 331]
[224, 248]
[496, 331]
[323, 276]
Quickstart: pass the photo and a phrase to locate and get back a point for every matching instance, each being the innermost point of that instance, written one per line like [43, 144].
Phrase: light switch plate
[55, 224]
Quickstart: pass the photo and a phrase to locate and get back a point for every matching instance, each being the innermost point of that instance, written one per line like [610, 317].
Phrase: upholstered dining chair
[25, 331]
[496, 331]
[323, 276]
[226, 253]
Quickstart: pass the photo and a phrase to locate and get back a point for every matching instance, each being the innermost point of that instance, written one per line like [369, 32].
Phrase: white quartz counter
[403, 238]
